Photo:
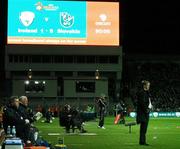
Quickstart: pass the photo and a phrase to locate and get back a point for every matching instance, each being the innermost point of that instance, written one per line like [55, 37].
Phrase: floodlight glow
[26, 82]
[36, 82]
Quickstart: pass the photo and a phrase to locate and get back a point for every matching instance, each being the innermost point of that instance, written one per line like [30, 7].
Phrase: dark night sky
[151, 27]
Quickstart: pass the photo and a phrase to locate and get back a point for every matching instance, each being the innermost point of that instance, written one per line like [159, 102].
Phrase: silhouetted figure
[102, 108]
[143, 108]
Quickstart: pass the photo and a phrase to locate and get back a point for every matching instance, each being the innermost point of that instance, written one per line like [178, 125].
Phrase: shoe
[103, 127]
[99, 126]
[145, 144]
[83, 131]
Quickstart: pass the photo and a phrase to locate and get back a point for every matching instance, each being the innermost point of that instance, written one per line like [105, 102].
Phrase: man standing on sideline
[102, 108]
[143, 108]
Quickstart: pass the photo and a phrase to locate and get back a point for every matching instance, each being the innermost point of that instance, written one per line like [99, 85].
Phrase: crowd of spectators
[165, 83]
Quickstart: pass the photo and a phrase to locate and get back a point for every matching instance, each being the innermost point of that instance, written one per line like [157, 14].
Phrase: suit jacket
[142, 106]
[12, 117]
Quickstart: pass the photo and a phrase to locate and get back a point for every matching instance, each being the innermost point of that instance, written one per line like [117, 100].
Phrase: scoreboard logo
[66, 20]
[26, 18]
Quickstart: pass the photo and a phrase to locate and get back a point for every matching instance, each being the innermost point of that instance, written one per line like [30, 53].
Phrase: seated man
[25, 111]
[29, 115]
[12, 117]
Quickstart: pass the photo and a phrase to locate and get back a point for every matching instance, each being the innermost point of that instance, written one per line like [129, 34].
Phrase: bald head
[23, 100]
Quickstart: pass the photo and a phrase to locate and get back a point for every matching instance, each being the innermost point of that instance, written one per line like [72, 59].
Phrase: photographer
[121, 110]
[49, 116]
[70, 118]
[65, 118]
[77, 121]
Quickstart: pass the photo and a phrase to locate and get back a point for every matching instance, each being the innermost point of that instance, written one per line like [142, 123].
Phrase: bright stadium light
[30, 74]
[36, 82]
[26, 82]
[97, 75]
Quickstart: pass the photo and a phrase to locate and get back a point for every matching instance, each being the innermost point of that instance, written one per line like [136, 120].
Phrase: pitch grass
[163, 133]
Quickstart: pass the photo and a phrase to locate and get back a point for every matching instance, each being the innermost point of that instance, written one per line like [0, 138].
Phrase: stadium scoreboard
[55, 22]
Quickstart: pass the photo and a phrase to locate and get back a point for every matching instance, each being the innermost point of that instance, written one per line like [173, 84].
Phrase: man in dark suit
[25, 111]
[143, 108]
[12, 117]
[102, 108]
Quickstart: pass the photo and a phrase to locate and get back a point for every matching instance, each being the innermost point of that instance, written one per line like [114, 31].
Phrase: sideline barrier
[158, 114]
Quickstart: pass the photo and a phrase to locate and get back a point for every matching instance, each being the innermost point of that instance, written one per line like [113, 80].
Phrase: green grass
[163, 133]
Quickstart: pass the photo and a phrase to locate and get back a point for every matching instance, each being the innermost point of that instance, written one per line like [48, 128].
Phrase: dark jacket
[102, 105]
[65, 117]
[12, 117]
[142, 106]
[26, 112]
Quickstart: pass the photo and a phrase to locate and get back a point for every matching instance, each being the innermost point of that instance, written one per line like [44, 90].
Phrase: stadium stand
[164, 81]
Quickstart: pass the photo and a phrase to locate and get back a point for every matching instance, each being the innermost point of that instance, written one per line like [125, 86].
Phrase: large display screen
[63, 22]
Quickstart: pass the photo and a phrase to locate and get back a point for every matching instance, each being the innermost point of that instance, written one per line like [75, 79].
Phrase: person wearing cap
[102, 108]
[143, 108]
